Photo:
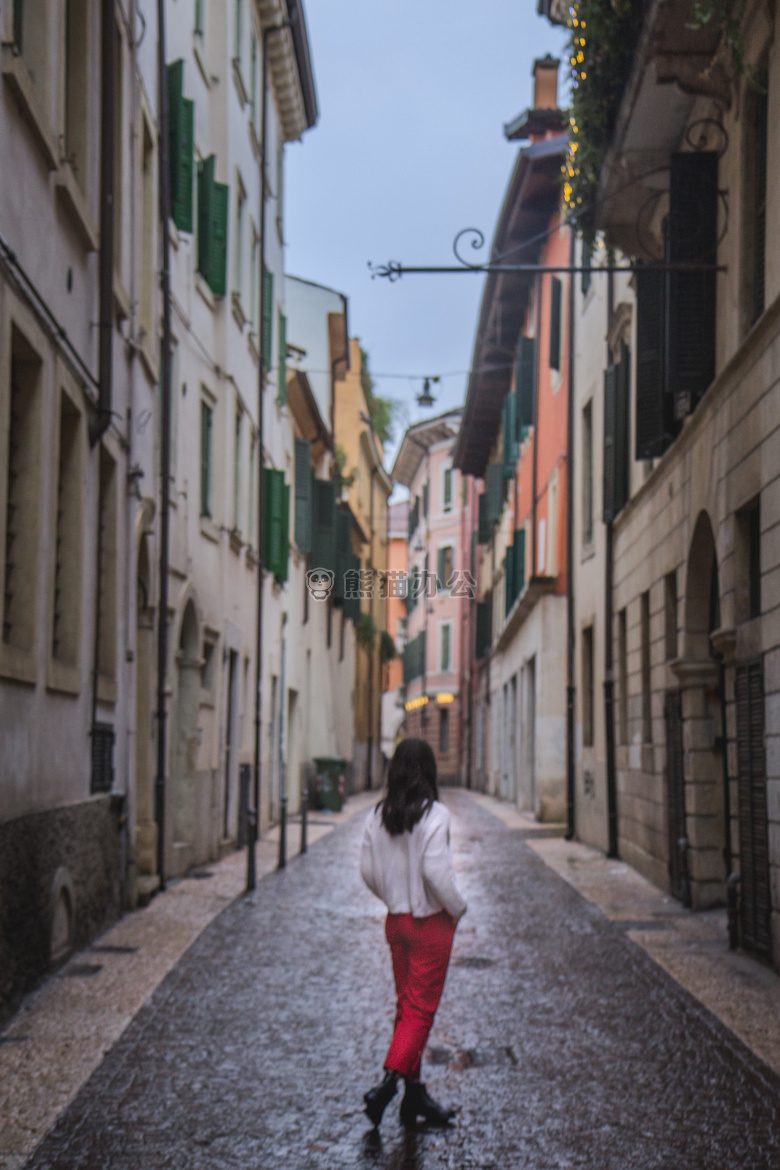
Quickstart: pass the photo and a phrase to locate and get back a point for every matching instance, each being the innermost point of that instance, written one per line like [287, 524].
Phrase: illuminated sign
[445, 698]
[414, 704]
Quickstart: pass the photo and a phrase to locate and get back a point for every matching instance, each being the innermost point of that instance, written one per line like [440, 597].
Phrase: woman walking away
[406, 861]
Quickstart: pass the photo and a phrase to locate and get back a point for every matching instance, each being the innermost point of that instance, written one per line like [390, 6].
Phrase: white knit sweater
[412, 873]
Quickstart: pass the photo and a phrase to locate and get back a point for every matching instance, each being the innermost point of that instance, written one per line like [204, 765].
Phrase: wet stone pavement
[560, 1043]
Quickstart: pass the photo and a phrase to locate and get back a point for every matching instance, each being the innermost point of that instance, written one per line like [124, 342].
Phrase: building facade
[393, 673]
[437, 590]
[514, 438]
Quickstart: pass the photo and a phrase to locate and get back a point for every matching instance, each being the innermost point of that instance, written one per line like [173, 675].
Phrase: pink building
[439, 570]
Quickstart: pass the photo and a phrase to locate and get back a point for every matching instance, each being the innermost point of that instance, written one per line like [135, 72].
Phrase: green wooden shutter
[655, 423]
[220, 203]
[484, 629]
[483, 525]
[440, 567]
[181, 118]
[267, 342]
[509, 435]
[206, 418]
[352, 604]
[556, 291]
[281, 390]
[509, 579]
[495, 492]
[303, 494]
[448, 489]
[275, 528]
[323, 537]
[18, 24]
[285, 534]
[425, 499]
[519, 570]
[692, 239]
[525, 382]
[622, 440]
[343, 550]
[205, 185]
[213, 201]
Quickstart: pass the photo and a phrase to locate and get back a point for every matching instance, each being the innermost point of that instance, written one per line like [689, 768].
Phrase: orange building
[514, 437]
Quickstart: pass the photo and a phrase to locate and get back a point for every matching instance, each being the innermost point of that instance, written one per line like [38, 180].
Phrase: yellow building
[366, 488]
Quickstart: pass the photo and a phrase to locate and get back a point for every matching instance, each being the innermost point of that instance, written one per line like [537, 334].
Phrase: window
[447, 490]
[238, 29]
[238, 432]
[281, 389]
[213, 201]
[586, 277]
[107, 567]
[444, 567]
[254, 298]
[240, 242]
[755, 203]
[444, 730]
[587, 687]
[181, 162]
[66, 599]
[647, 712]
[425, 498]
[76, 123]
[748, 562]
[208, 666]
[31, 37]
[206, 425]
[556, 292]
[200, 18]
[21, 502]
[622, 677]
[587, 473]
[280, 192]
[445, 647]
[251, 533]
[148, 257]
[670, 615]
[267, 308]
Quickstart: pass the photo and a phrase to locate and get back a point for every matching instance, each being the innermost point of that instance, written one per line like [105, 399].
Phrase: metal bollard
[283, 832]
[251, 845]
[304, 818]
[732, 910]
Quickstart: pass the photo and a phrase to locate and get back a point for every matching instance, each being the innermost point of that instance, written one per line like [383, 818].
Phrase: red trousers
[420, 948]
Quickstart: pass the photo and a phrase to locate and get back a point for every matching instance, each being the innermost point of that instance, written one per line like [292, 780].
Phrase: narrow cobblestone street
[560, 1043]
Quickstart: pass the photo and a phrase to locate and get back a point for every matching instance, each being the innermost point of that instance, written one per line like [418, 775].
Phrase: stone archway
[145, 823]
[700, 703]
[185, 739]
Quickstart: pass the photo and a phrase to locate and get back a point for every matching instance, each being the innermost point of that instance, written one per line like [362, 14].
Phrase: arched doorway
[145, 825]
[185, 740]
[695, 753]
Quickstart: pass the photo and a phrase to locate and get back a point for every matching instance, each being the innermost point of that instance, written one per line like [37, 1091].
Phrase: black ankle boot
[377, 1099]
[418, 1103]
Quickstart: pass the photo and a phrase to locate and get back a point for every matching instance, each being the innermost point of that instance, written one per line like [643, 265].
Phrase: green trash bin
[331, 775]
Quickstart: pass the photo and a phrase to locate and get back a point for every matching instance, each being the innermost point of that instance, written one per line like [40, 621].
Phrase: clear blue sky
[409, 148]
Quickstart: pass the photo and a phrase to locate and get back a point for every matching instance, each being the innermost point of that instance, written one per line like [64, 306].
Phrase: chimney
[546, 83]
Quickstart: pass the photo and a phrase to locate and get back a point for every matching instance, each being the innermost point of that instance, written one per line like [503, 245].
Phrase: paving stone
[569, 1048]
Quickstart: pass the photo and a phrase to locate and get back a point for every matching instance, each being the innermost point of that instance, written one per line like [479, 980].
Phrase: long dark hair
[411, 786]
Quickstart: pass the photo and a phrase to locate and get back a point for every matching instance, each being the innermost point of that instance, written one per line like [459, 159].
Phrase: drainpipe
[165, 443]
[253, 825]
[609, 667]
[570, 630]
[100, 420]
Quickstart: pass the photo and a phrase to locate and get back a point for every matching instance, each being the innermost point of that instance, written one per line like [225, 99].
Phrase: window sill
[121, 299]
[588, 552]
[209, 529]
[252, 559]
[18, 77]
[236, 543]
[239, 315]
[106, 689]
[63, 677]
[205, 292]
[75, 202]
[199, 54]
[238, 79]
[17, 664]
[254, 139]
[252, 346]
[147, 357]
